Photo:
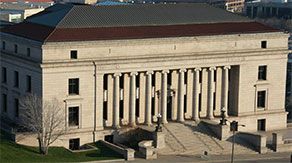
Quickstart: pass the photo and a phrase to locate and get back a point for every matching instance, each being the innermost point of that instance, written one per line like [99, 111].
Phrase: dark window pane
[16, 79]
[15, 48]
[28, 52]
[74, 144]
[4, 75]
[261, 103]
[73, 54]
[73, 116]
[4, 102]
[74, 86]
[264, 44]
[28, 83]
[3, 45]
[262, 73]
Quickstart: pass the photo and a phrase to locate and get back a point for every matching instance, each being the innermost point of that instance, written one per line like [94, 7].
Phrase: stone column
[99, 101]
[181, 86]
[116, 122]
[164, 96]
[225, 89]
[196, 94]
[157, 108]
[210, 93]
[174, 86]
[148, 97]
[126, 99]
[218, 90]
[133, 98]
[204, 93]
[189, 92]
[110, 92]
[142, 89]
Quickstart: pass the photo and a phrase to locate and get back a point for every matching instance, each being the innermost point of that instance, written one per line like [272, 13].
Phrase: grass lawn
[12, 152]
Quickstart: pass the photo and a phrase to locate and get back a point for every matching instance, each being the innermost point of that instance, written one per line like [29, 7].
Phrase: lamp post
[223, 117]
[234, 127]
[158, 127]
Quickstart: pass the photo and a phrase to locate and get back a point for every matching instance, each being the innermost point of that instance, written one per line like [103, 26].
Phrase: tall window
[16, 107]
[28, 83]
[74, 86]
[4, 102]
[261, 103]
[15, 48]
[16, 79]
[3, 45]
[4, 75]
[73, 116]
[73, 54]
[28, 52]
[262, 73]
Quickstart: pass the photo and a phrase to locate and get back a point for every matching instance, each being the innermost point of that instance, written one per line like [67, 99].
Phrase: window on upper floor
[264, 44]
[4, 102]
[3, 45]
[73, 116]
[261, 100]
[16, 79]
[4, 75]
[262, 73]
[73, 54]
[28, 52]
[74, 86]
[28, 83]
[15, 49]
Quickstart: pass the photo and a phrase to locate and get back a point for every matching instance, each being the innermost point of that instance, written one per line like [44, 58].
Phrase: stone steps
[189, 138]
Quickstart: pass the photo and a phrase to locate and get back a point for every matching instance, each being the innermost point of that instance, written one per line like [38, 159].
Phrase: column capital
[182, 70]
[198, 69]
[226, 67]
[149, 72]
[165, 71]
[212, 68]
[133, 73]
[118, 74]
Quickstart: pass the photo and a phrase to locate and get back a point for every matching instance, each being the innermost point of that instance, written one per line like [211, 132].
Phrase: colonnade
[205, 90]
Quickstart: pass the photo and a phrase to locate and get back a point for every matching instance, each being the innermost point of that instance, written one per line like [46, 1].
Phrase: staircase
[190, 138]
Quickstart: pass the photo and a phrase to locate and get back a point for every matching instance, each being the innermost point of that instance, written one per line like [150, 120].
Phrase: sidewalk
[270, 157]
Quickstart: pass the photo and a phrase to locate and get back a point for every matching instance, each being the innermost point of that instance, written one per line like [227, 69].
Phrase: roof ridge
[72, 6]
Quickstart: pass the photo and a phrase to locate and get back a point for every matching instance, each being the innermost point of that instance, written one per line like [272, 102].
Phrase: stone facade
[128, 82]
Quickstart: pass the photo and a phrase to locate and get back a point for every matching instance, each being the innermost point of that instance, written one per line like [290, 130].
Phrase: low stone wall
[280, 145]
[257, 141]
[128, 153]
[146, 150]
[222, 132]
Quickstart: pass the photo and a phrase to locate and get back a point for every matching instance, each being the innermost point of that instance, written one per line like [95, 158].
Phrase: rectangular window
[3, 45]
[262, 73]
[74, 144]
[15, 49]
[261, 103]
[28, 52]
[4, 102]
[262, 125]
[4, 75]
[74, 86]
[264, 44]
[73, 54]
[73, 116]
[28, 83]
[16, 107]
[16, 79]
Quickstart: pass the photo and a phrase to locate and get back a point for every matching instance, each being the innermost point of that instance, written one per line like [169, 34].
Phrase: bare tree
[44, 118]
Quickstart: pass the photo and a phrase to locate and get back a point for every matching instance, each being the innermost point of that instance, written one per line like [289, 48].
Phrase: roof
[108, 3]
[87, 23]
[85, 16]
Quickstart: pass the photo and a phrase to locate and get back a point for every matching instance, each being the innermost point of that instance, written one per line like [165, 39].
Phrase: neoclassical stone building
[115, 66]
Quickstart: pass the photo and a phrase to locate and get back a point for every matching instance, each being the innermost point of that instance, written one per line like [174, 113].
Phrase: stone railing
[127, 153]
[256, 141]
[280, 145]
[147, 150]
[222, 132]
